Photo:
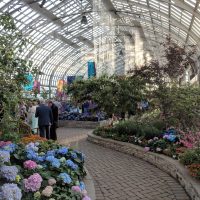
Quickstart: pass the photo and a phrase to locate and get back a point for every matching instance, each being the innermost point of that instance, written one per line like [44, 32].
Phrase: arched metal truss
[59, 41]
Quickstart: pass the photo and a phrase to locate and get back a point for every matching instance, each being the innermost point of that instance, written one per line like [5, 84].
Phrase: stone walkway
[118, 176]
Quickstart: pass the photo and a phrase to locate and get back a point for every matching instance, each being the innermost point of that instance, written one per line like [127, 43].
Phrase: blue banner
[30, 83]
[71, 79]
[91, 69]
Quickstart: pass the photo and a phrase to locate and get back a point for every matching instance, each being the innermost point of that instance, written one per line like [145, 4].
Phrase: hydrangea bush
[41, 171]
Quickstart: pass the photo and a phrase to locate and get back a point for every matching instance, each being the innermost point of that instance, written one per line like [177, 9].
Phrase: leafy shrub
[149, 132]
[123, 130]
[190, 157]
[127, 128]
[14, 137]
[159, 124]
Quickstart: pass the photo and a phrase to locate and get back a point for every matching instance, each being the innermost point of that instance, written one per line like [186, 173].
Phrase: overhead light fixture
[84, 20]
[42, 4]
[121, 53]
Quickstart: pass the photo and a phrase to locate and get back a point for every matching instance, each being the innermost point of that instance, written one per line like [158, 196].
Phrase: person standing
[34, 120]
[54, 108]
[45, 119]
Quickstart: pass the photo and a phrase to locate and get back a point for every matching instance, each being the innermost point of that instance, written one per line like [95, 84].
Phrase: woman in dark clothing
[54, 108]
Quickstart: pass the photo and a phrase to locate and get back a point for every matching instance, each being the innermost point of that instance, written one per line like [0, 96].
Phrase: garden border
[89, 183]
[166, 164]
[82, 124]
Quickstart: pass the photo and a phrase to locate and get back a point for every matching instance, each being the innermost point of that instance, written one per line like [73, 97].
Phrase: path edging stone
[89, 183]
[173, 167]
[81, 124]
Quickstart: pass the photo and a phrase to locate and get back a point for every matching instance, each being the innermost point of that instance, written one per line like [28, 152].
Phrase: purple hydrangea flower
[10, 191]
[33, 183]
[9, 172]
[4, 156]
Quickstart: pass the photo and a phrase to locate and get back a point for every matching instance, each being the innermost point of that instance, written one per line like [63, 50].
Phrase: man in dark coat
[54, 108]
[45, 119]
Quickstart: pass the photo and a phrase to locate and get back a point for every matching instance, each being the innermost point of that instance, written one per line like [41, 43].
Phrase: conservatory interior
[99, 99]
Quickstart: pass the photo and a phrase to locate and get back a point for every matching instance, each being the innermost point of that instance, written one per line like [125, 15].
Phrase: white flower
[158, 149]
[52, 181]
[47, 192]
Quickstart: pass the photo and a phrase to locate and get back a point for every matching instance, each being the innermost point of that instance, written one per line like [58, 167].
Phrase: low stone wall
[167, 164]
[81, 124]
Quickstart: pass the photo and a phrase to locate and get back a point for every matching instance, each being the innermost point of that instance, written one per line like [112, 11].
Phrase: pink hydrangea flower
[29, 164]
[76, 188]
[146, 149]
[86, 198]
[33, 183]
[47, 192]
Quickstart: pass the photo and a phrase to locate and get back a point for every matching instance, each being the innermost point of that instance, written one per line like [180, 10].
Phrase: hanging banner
[29, 85]
[36, 86]
[60, 85]
[70, 79]
[91, 69]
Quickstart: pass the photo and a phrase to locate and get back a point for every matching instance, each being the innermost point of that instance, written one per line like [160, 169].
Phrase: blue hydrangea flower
[9, 172]
[10, 148]
[51, 153]
[32, 155]
[55, 163]
[41, 158]
[82, 185]
[63, 150]
[10, 191]
[65, 178]
[31, 146]
[4, 156]
[74, 155]
[50, 158]
[71, 164]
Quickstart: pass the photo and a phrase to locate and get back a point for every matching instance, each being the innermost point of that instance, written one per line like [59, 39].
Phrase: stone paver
[118, 176]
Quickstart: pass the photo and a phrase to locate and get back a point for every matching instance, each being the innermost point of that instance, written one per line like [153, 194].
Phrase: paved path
[118, 176]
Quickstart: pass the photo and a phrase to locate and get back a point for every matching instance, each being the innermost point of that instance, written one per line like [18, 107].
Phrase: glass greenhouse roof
[59, 42]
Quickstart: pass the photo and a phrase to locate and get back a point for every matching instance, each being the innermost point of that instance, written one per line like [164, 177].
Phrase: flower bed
[180, 145]
[41, 171]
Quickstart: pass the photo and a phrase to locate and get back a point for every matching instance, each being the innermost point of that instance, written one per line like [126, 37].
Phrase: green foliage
[126, 129]
[13, 71]
[13, 136]
[179, 105]
[112, 94]
[190, 157]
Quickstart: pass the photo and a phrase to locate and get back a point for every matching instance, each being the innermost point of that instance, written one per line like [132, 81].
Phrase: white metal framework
[59, 42]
